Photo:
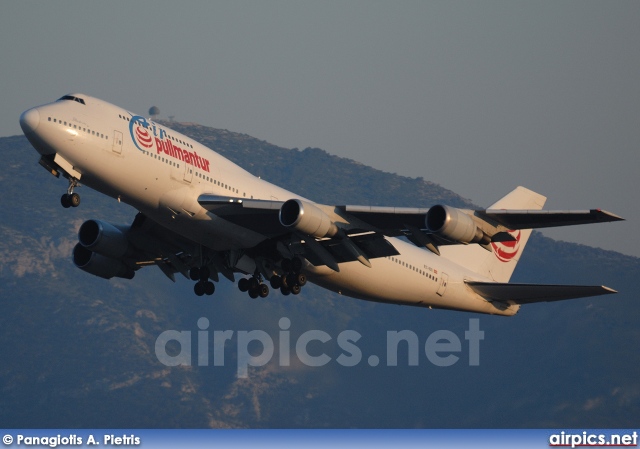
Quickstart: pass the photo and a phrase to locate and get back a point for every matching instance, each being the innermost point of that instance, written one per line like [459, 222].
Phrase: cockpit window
[72, 98]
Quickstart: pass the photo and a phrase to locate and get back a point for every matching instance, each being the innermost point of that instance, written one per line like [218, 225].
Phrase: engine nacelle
[307, 218]
[99, 265]
[103, 238]
[455, 225]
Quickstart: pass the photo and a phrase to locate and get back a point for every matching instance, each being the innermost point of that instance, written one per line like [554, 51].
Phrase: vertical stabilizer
[499, 263]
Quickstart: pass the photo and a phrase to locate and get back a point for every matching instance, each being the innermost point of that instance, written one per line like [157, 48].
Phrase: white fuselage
[162, 173]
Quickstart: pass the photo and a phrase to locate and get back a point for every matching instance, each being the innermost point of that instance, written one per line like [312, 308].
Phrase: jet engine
[454, 224]
[100, 249]
[99, 265]
[307, 218]
[103, 238]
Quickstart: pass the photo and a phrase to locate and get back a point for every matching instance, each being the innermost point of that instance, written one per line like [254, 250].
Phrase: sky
[479, 97]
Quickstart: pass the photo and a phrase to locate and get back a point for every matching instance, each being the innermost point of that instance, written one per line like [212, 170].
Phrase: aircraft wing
[396, 218]
[425, 227]
[530, 219]
[530, 293]
[494, 225]
[260, 216]
[389, 220]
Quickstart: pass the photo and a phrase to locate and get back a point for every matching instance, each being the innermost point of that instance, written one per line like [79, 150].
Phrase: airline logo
[141, 135]
[505, 251]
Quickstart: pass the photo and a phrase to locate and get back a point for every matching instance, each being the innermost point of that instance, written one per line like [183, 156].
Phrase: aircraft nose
[29, 120]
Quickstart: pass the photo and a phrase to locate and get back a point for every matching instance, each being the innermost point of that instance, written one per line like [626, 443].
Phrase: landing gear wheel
[301, 279]
[198, 289]
[296, 289]
[254, 284]
[71, 199]
[74, 199]
[276, 282]
[253, 293]
[291, 280]
[209, 288]
[243, 284]
[285, 290]
[65, 201]
[263, 290]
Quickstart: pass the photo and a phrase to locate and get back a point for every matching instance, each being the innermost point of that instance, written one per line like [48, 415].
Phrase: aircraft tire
[65, 201]
[301, 279]
[296, 289]
[243, 284]
[263, 290]
[275, 281]
[198, 289]
[253, 293]
[209, 288]
[291, 280]
[74, 199]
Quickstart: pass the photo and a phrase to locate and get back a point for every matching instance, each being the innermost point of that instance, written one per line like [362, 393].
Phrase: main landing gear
[204, 286]
[254, 286]
[71, 199]
[291, 282]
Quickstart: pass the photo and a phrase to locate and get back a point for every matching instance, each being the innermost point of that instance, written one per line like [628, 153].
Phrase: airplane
[202, 216]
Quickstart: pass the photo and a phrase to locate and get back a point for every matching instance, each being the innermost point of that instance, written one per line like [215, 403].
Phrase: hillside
[78, 351]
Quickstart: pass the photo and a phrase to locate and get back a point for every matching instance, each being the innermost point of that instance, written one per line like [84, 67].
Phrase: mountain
[79, 351]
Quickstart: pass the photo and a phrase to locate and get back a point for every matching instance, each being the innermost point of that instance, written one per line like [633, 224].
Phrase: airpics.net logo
[255, 348]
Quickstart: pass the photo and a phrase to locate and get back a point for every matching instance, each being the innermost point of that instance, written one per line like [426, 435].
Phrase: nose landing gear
[71, 199]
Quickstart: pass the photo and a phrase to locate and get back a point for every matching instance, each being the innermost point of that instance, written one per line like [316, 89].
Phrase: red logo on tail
[505, 251]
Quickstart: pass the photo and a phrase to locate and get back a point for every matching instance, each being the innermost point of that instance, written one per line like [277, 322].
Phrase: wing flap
[531, 293]
[260, 216]
[372, 246]
[389, 220]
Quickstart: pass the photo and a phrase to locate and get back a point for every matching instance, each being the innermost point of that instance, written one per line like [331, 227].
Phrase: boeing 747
[202, 216]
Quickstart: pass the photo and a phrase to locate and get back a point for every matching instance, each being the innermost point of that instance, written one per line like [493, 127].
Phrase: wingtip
[610, 216]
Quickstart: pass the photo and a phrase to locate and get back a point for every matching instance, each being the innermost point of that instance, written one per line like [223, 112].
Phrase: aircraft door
[444, 279]
[188, 172]
[117, 142]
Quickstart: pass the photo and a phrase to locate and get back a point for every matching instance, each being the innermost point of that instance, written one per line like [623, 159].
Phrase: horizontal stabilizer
[530, 293]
